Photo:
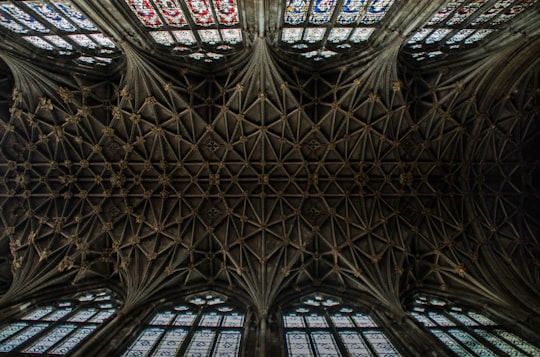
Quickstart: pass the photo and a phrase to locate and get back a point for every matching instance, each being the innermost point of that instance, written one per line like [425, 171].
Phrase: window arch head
[204, 324]
[57, 328]
[322, 325]
[467, 332]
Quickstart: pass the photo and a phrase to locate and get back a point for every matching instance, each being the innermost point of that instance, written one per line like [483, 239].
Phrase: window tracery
[322, 326]
[58, 327]
[201, 29]
[319, 29]
[466, 332]
[57, 26]
[205, 325]
[462, 23]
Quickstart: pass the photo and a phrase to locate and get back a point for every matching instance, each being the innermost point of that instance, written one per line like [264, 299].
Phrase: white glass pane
[103, 40]
[210, 36]
[451, 343]
[440, 319]
[185, 319]
[354, 343]
[184, 37]
[228, 344]
[437, 35]
[380, 343]
[518, 341]
[11, 329]
[51, 338]
[74, 15]
[291, 35]
[325, 344]
[481, 319]
[39, 42]
[82, 315]
[292, 321]
[162, 37]
[233, 320]
[101, 316]
[499, 343]
[298, 344]
[471, 343]
[144, 343]
[419, 36]
[201, 343]
[57, 315]
[339, 34]
[23, 18]
[163, 318]
[73, 340]
[83, 40]
[464, 319]
[316, 321]
[231, 36]
[210, 320]
[363, 321]
[341, 321]
[314, 34]
[22, 337]
[361, 34]
[170, 343]
[38, 313]
[423, 320]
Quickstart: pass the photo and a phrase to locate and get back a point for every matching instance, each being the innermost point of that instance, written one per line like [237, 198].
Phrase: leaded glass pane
[57, 315]
[420, 35]
[82, 315]
[380, 343]
[464, 319]
[201, 343]
[74, 15]
[314, 34]
[459, 36]
[38, 313]
[376, 11]
[499, 343]
[296, 11]
[464, 12]
[210, 36]
[51, 338]
[145, 12]
[58, 41]
[361, 34]
[477, 36]
[325, 345]
[298, 344]
[144, 343]
[519, 342]
[162, 318]
[231, 36]
[440, 319]
[23, 18]
[233, 320]
[489, 14]
[437, 35]
[210, 320]
[83, 40]
[228, 344]
[339, 34]
[73, 340]
[22, 337]
[171, 12]
[316, 321]
[227, 12]
[293, 321]
[341, 321]
[363, 321]
[513, 11]
[11, 329]
[8, 23]
[481, 319]
[444, 12]
[185, 319]
[451, 343]
[200, 12]
[39, 42]
[291, 35]
[423, 319]
[51, 15]
[322, 11]
[354, 343]
[471, 343]
[170, 343]
[350, 11]
[184, 37]
[103, 40]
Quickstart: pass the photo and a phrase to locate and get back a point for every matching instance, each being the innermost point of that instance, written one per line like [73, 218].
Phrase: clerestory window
[58, 28]
[57, 328]
[203, 325]
[322, 326]
[461, 24]
[466, 332]
[320, 29]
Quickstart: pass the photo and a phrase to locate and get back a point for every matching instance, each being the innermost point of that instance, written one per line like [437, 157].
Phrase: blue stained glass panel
[144, 343]
[24, 18]
[185, 319]
[423, 319]
[73, 340]
[472, 343]
[201, 343]
[170, 343]
[22, 337]
[298, 344]
[350, 12]
[325, 344]
[8, 23]
[52, 16]
[210, 320]
[341, 321]
[322, 11]
[228, 344]
[363, 321]
[38, 313]
[163, 318]
[481, 319]
[451, 343]
[500, 344]
[377, 10]
[519, 342]
[354, 343]
[11, 329]
[75, 15]
[233, 320]
[296, 11]
[293, 321]
[82, 315]
[101, 317]
[316, 321]
[58, 314]
[440, 319]
[51, 338]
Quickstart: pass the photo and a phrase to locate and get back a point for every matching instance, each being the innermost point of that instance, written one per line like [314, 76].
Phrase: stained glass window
[322, 326]
[461, 23]
[58, 27]
[323, 28]
[205, 325]
[468, 333]
[58, 327]
[187, 26]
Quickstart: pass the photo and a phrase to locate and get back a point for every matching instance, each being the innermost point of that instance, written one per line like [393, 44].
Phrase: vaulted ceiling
[373, 171]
